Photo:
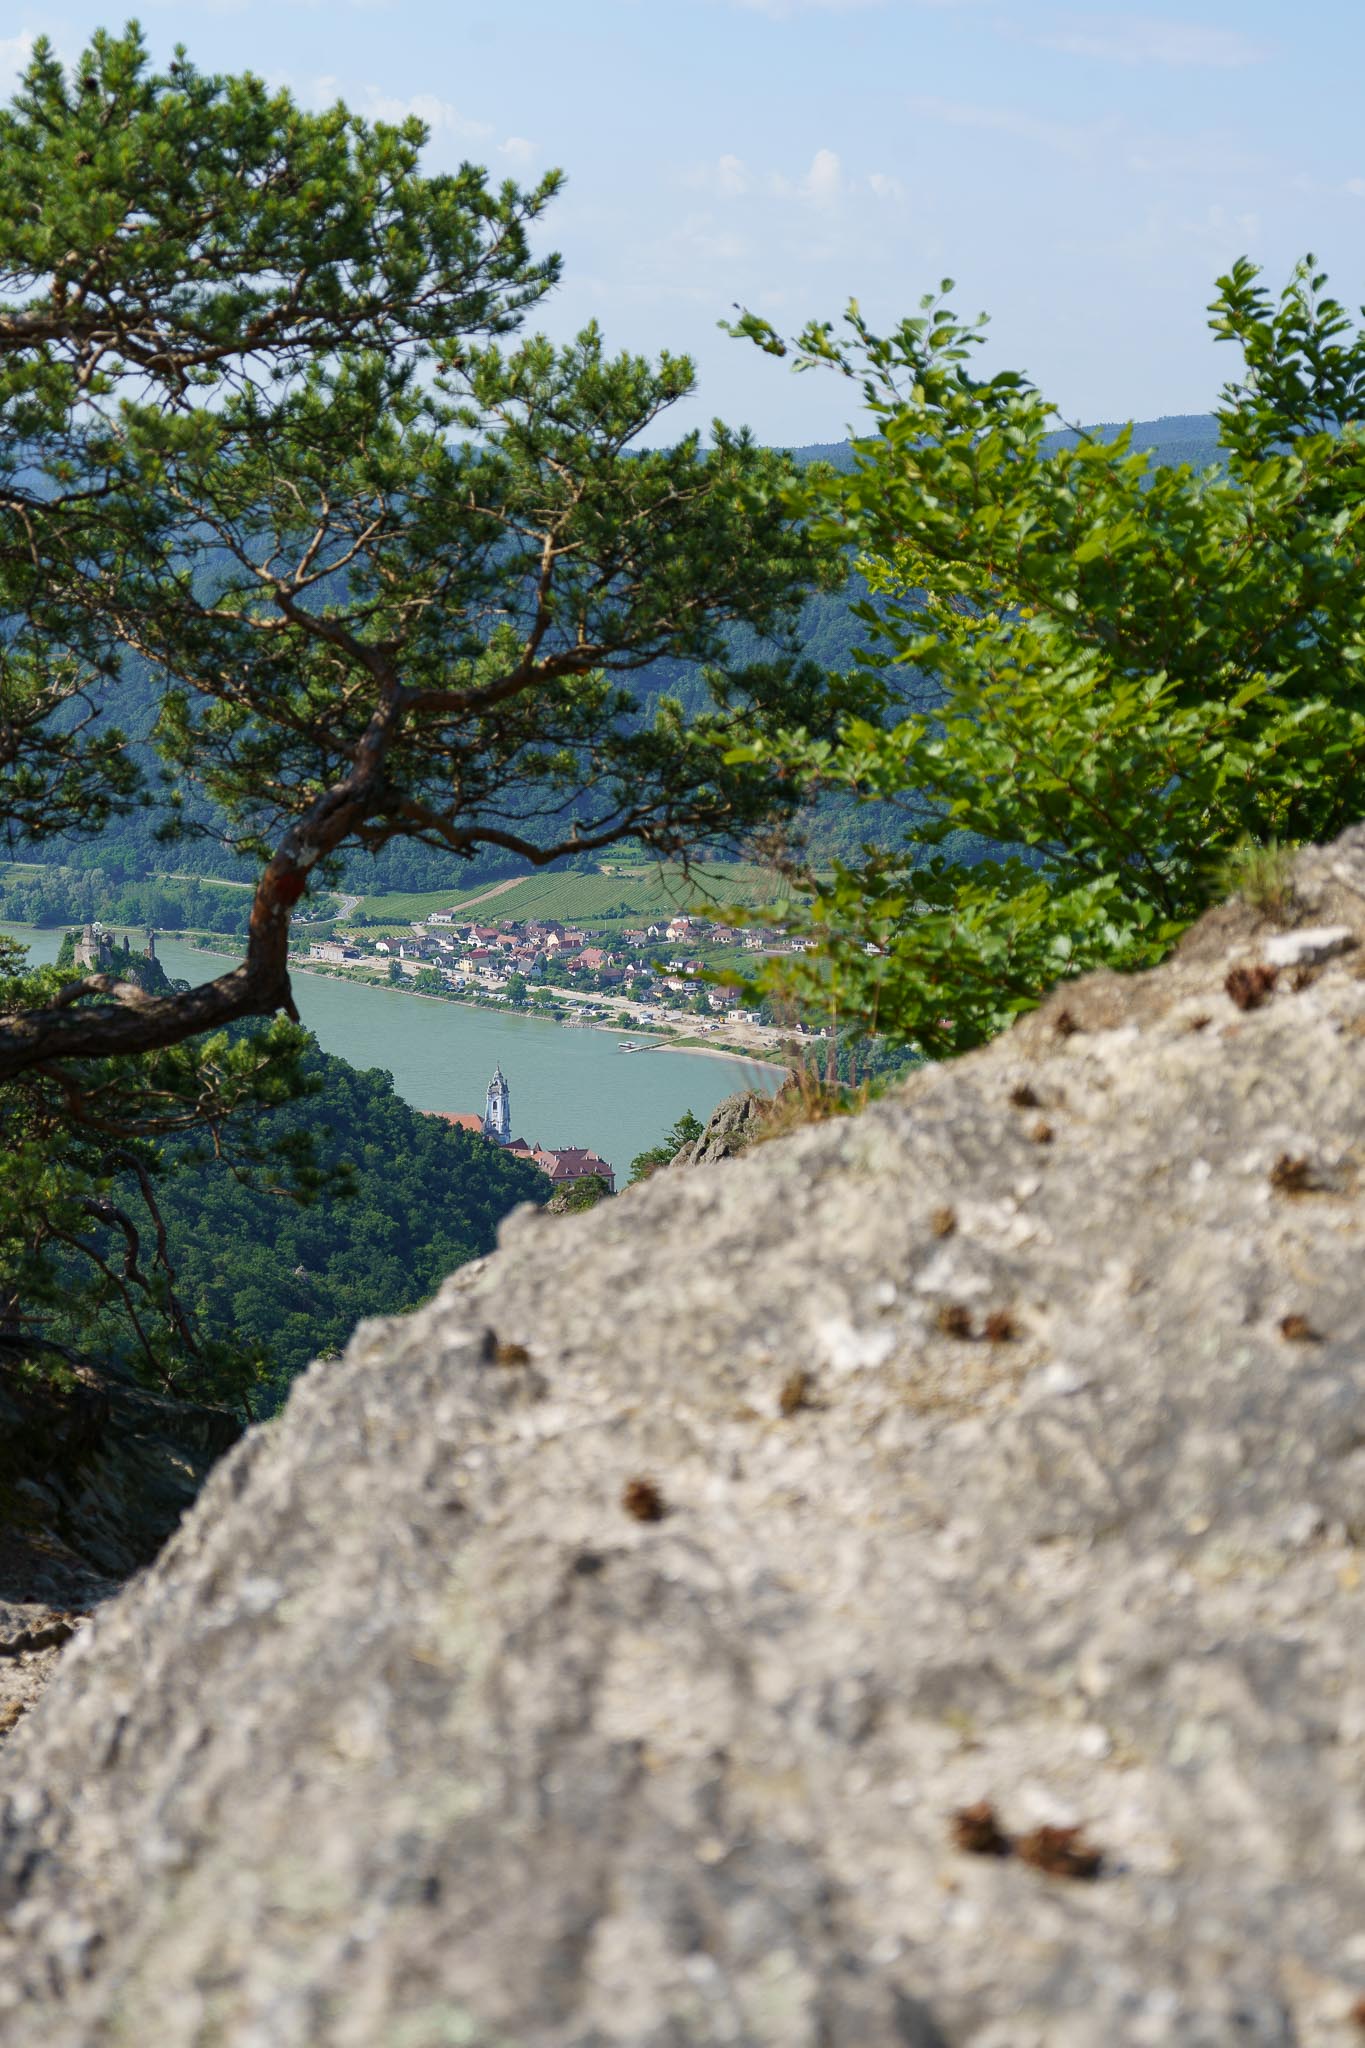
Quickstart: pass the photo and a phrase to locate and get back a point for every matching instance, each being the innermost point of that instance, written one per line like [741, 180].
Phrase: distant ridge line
[1173, 437]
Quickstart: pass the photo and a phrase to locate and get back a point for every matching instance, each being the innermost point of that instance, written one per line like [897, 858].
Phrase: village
[565, 1166]
[655, 979]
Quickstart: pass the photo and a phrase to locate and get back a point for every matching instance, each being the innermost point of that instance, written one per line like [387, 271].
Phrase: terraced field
[620, 895]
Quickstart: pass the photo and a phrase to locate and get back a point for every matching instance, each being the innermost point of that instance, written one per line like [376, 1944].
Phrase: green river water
[569, 1086]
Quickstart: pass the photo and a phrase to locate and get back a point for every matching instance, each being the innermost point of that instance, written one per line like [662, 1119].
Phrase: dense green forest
[286, 1283]
[130, 851]
[48, 895]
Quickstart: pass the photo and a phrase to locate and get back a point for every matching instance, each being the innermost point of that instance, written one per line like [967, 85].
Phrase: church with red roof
[565, 1164]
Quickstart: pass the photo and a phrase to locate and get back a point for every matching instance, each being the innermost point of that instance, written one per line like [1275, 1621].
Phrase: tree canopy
[279, 463]
[685, 1131]
[1141, 672]
[88, 1271]
[403, 1200]
[261, 425]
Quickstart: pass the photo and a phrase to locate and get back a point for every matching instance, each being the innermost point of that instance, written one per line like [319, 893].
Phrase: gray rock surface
[730, 1129]
[416, 1737]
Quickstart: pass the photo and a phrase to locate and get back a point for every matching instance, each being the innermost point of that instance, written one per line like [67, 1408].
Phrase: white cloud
[703, 238]
[824, 181]
[1145, 39]
[1069, 138]
[820, 186]
[729, 177]
[1225, 229]
[518, 151]
[439, 115]
[1193, 156]
[732, 176]
[1199, 158]
[1355, 187]
[15, 52]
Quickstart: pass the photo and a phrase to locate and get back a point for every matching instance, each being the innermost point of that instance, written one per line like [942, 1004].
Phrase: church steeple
[497, 1114]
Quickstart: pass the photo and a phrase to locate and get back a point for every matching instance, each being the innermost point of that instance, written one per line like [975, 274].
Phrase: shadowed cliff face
[93, 1479]
[565, 1670]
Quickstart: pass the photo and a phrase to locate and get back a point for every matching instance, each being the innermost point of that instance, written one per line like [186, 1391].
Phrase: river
[568, 1086]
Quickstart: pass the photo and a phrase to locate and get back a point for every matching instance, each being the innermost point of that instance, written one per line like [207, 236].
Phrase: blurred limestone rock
[598, 1658]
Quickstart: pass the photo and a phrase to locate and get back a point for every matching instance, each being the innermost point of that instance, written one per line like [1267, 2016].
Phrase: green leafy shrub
[1137, 669]
[685, 1131]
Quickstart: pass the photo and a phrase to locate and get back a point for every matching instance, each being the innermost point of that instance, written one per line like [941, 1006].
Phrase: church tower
[497, 1115]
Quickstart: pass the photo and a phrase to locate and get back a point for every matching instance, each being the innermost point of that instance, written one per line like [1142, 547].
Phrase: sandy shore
[717, 1052]
[659, 1044]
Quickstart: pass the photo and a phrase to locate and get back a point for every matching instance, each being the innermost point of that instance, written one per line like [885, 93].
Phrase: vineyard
[616, 894]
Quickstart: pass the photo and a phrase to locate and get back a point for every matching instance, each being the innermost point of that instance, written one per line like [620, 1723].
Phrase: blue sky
[1083, 172]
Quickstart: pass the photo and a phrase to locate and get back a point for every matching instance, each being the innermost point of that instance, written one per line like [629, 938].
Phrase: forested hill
[284, 1283]
[1190, 437]
[1176, 437]
[829, 635]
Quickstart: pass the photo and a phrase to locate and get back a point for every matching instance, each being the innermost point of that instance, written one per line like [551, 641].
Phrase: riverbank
[371, 975]
[569, 1086]
[659, 1041]
[716, 1052]
[756, 1044]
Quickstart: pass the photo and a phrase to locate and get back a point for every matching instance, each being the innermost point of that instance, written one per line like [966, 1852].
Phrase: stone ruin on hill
[708, 1621]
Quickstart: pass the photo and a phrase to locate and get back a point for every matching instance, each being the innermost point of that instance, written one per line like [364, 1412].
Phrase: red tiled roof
[561, 1163]
[573, 1162]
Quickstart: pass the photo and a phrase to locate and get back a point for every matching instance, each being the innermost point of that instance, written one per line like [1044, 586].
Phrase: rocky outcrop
[731, 1128]
[94, 1476]
[599, 1658]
